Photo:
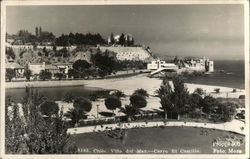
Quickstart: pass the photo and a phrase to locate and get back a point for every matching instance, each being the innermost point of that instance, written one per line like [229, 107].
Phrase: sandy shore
[128, 85]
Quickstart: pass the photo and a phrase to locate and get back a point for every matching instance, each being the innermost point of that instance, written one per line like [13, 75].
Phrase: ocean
[226, 73]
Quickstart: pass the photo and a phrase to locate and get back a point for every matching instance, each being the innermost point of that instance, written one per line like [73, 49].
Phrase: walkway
[234, 126]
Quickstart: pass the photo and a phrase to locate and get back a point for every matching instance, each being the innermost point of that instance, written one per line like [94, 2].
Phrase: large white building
[158, 64]
[128, 38]
[128, 53]
[200, 65]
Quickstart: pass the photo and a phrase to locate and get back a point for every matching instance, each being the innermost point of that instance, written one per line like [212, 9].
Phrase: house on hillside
[19, 70]
[52, 69]
[36, 68]
[64, 67]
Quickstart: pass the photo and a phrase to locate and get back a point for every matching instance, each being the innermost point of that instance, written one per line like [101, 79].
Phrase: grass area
[156, 140]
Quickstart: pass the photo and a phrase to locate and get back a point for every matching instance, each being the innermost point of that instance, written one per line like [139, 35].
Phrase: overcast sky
[216, 31]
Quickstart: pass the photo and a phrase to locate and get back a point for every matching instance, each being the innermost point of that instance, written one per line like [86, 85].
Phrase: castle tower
[211, 66]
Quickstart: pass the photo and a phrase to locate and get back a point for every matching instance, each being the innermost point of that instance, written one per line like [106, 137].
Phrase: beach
[128, 85]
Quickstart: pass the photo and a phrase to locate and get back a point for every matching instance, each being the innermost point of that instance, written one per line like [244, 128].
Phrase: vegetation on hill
[79, 39]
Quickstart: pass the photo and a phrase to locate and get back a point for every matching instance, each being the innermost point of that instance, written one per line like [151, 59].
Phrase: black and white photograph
[122, 79]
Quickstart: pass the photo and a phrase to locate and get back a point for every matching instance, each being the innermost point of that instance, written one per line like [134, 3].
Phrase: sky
[215, 31]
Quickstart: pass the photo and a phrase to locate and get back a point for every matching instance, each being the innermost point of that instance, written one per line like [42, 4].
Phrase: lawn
[159, 140]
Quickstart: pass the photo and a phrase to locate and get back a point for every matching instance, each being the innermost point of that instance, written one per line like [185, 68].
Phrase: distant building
[129, 39]
[64, 67]
[129, 53]
[36, 68]
[158, 64]
[199, 65]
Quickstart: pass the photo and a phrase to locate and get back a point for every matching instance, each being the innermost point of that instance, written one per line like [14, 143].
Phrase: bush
[141, 92]
[10, 73]
[59, 76]
[217, 90]
[68, 97]
[82, 104]
[112, 102]
[49, 108]
[242, 97]
[45, 75]
[118, 94]
[137, 101]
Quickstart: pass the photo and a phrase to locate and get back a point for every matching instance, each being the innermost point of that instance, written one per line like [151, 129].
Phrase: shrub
[45, 75]
[10, 73]
[112, 102]
[141, 92]
[82, 104]
[242, 97]
[138, 101]
[217, 90]
[49, 108]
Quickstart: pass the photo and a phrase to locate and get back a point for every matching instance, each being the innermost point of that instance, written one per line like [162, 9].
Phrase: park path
[234, 126]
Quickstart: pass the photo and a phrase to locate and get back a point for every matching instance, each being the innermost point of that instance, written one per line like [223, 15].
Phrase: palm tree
[129, 111]
[75, 115]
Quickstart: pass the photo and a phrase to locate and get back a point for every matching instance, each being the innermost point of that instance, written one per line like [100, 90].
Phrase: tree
[81, 107]
[195, 104]
[84, 104]
[141, 92]
[71, 73]
[10, 73]
[80, 67]
[36, 31]
[45, 75]
[54, 48]
[10, 53]
[180, 95]
[165, 94]
[112, 40]
[27, 131]
[75, 115]
[59, 75]
[199, 91]
[137, 101]
[227, 111]
[68, 97]
[27, 73]
[129, 111]
[209, 104]
[122, 39]
[105, 63]
[112, 102]
[49, 108]
[118, 94]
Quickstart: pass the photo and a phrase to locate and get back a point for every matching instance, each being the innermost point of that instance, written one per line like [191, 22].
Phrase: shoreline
[127, 85]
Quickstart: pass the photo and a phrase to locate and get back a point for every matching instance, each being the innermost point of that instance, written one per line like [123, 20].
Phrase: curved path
[234, 126]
